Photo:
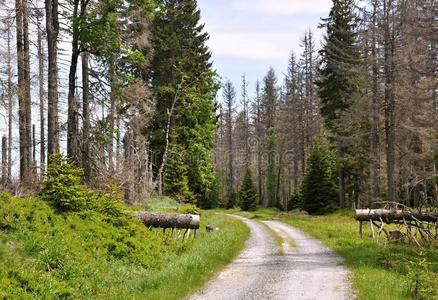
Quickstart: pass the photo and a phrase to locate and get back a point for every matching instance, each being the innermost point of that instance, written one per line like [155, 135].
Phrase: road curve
[307, 270]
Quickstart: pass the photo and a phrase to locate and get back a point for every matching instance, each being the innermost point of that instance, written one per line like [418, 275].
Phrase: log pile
[162, 220]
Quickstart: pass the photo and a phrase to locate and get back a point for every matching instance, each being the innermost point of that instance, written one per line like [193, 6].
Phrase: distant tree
[248, 193]
[272, 171]
[229, 95]
[319, 186]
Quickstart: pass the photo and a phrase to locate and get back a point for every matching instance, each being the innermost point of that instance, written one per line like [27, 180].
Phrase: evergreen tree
[176, 180]
[339, 85]
[248, 193]
[185, 87]
[319, 186]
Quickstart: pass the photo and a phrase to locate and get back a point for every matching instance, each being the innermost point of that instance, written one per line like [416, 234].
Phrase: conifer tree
[182, 77]
[319, 186]
[339, 85]
[248, 193]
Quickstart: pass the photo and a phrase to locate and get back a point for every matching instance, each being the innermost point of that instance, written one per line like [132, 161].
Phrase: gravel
[307, 270]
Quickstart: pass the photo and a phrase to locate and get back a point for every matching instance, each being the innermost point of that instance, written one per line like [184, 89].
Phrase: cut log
[162, 220]
[388, 215]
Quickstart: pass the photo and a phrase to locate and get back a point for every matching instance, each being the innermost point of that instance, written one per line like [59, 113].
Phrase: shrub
[64, 191]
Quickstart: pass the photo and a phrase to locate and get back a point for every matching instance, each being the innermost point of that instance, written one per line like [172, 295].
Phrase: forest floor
[299, 267]
[383, 271]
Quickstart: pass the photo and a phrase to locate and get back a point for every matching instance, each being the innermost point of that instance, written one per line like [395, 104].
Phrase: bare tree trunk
[10, 102]
[111, 118]
[72, 114]
[4, 161]
[166, 148]
[24, 101]
[34, 162]
[52, 30]
[42, 98]
[85, 119]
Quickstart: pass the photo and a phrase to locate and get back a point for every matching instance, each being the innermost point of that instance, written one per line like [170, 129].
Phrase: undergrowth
[70, 242]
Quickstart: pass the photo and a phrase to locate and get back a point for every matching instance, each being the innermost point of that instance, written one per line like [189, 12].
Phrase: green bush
[189, 209]
[64, 191]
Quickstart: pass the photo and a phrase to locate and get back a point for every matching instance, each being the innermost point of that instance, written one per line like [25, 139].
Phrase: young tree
[319, 186]
[248, 193]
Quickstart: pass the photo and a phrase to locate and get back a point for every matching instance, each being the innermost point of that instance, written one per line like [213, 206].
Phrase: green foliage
[176, 181]
[189, 209]
[339, 65]
[248, 193]
[63, 187]
[181, 73]
[233, 201]
[295, 200]
[319, 185]
[272, 171]
[421, 279]
[64, 191]
[91, 255]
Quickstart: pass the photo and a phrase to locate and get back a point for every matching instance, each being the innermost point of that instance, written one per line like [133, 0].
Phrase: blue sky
[249, 36]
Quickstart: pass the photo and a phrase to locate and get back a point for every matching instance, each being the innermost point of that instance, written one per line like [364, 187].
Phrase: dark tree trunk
[375, 135]
[341, 188]
[24, 101]
[52, 30]
[389, 101]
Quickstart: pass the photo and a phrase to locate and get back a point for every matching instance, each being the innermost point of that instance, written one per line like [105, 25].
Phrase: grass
[277, 238]
[45, 254]
[379, 271]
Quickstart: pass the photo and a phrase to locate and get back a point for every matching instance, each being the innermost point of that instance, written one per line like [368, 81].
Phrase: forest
[113, 106]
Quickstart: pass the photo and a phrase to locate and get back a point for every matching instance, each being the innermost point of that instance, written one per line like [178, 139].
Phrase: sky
[249, 36]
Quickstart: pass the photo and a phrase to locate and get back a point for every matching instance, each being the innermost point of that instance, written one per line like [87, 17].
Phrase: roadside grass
[277, 238]
[45, 254]
[379, 271]
[208, 254]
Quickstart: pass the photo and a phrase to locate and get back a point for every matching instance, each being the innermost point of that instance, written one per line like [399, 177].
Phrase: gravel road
[307, 270]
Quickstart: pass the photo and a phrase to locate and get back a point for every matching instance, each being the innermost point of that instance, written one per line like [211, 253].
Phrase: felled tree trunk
[162, 220]
[388, 215]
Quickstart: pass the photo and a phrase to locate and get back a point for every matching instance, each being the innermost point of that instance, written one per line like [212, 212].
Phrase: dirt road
[307, 270]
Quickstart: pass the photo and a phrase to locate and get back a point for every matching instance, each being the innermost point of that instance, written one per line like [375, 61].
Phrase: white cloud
[254, 45]
[282, 7]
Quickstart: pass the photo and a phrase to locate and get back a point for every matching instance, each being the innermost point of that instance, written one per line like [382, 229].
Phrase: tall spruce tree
[339, 85]
[185, 87]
